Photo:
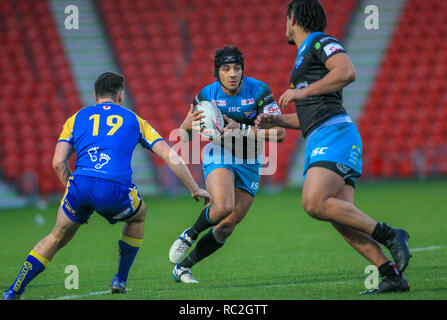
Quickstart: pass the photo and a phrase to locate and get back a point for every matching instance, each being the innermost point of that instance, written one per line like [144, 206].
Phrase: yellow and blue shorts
[114, 201]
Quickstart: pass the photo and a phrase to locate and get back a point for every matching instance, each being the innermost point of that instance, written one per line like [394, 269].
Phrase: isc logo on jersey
[331, 48]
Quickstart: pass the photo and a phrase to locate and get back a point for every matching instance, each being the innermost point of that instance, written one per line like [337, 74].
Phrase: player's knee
[313, 207]
[142, 211]
[223, 209]
[140, 216]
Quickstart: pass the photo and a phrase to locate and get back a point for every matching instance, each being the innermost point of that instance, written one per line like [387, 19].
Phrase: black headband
[227, 58]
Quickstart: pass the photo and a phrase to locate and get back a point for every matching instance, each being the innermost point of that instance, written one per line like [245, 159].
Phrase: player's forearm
[61, 166]
[274, 134]
[63, 171]
[288, 121]
[335, 80]
[185, 134]
[179, 168]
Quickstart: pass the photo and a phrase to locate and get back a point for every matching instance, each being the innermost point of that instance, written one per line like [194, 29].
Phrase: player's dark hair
[108, 85]
[227, 54]
[309, 14]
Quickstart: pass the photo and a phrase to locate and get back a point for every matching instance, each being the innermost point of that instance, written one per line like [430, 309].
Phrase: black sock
[204, 247]
[202, 223]
[389, 269]
[382, 232]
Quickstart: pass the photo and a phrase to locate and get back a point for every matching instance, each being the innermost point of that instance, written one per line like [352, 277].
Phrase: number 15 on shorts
[254, 185]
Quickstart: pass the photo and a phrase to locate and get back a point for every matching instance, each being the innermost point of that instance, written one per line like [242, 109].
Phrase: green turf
[277, 252]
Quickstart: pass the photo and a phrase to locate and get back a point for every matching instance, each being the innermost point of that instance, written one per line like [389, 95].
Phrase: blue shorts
[115, 202]
[335, 145]
[246, 175]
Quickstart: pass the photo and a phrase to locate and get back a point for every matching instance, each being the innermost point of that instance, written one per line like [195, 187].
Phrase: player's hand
[193, 119]
[291, 95]
[265, 121]
[231, 124]
[230, 127]
[202, 194]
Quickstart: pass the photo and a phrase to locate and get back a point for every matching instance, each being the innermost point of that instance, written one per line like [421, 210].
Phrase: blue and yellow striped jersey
[104, 137]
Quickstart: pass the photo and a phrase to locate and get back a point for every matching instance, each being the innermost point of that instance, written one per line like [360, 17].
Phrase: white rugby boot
[180, 247]
[182, 274]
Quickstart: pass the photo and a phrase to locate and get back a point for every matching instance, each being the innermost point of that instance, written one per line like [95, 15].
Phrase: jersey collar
[305, 46]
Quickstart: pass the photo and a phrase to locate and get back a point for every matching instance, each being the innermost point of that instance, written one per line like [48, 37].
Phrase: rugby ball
[213, 123]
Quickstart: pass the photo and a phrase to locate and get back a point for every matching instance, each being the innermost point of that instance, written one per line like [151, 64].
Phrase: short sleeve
[327, 47]
[67, 131]
[149, 136]
[199, 97]
[265, 102]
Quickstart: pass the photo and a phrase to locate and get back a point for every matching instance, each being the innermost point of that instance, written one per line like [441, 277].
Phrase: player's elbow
[171, 157]
[59, 164]
[349, 75]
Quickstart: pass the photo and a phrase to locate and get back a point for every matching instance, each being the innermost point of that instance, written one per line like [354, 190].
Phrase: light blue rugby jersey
[255, 97]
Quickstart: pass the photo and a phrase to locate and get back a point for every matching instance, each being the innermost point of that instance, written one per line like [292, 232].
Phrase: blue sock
[128, 248]
[34, 264]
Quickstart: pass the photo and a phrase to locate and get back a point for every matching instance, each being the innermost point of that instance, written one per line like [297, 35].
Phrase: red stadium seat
[418, 120]
[34, 60]
[170, 62]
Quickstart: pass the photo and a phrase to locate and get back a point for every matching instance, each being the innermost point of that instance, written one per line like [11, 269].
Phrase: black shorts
[344, 172]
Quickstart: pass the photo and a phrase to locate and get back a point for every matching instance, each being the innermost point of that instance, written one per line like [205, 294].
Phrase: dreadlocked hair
[309, 14]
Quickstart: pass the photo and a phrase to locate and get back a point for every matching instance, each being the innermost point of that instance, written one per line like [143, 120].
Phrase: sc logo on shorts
[318, 151]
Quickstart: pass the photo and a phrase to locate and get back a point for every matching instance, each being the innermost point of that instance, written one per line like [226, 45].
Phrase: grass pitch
[276, 253]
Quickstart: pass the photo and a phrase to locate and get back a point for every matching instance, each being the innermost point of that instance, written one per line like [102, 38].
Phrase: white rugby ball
[213, 123]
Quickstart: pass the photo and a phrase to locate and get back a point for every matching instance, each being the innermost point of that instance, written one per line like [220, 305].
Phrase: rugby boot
[118, 285]
[398, 247]
[180, 247]
[182, 274]
[390, 284]
[11, 295]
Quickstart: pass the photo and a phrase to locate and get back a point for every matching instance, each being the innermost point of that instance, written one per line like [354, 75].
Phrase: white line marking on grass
[428, 248]
[76, 296]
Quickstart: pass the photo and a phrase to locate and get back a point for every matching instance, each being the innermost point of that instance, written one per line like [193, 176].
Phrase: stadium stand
[165, 50]
[404, 124]
[38, 93]
[163, 47]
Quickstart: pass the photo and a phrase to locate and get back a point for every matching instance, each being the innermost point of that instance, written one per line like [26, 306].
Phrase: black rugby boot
[398, 247]
[390, 284]
[396, 240]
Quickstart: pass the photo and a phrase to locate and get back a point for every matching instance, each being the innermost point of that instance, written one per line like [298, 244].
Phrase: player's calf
[223, 230]
[204, 247]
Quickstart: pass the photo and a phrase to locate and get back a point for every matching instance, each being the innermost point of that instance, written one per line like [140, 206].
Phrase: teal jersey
[255, 97]
[104, 137]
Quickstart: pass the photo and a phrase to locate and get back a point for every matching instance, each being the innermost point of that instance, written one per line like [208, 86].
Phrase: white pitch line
[98, 293]
[428, 248]
[75, 296]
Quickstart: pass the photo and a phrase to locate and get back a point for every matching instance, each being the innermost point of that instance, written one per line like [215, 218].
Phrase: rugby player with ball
[232, 161]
